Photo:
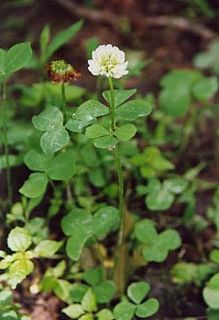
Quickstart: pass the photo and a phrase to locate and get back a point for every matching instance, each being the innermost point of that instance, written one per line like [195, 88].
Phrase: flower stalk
[119, 272]
[112, 106]
[63, 99]
[5, 141]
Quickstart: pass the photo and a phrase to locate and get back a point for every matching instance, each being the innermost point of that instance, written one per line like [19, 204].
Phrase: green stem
[63, 99]
[121, 194]
[5, 142]
[189, 128]
[112, 105]
[119, 272]
[68, 186]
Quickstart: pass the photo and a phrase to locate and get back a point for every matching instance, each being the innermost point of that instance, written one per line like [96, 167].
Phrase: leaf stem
[5, 141]
[119, 257]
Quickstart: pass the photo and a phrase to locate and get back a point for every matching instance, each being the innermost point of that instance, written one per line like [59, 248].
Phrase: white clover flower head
[109, 61]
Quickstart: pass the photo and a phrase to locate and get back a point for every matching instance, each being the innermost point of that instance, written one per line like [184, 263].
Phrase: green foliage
[19, 239]
[15, 58]
[56, 137]
[211, 292]
[181, 87]
[35, 185]
[153, 246]
[209, 59]
[47, 93]
[80, 225]
[213, 209]
[9, 310]
[19, 264]
[61, 38]
[75, 149]
[136, 292]
[151, 162]
[121, 96]
[187, 272]
[134, 109]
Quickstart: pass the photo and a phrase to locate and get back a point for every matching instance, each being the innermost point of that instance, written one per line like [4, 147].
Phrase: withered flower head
[60, 71]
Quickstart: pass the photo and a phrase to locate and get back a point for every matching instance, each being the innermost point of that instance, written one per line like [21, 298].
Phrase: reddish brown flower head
[60, 72]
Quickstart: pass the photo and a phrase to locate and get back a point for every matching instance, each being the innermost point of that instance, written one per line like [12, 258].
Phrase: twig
[112, 19]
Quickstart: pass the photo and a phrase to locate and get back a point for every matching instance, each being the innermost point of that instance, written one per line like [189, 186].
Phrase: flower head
[109, 61]
[60, 71]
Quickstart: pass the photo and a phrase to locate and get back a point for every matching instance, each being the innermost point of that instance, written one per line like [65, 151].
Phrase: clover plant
[97, 175]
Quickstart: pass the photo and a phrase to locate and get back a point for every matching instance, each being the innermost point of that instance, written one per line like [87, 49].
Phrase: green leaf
[107, 142]
[213, 283]
[97, 177]
[104, 291]
[184, 272]
[76, 243]
[34, 186]
[205, 88]
[105, 314]
[19, 239]
[78, 291]
[10, 315]
[89, 302]
[212, 314]
[214, 256]
[19, 270]
[44, 39]
[175, 98]
[125, 132]
[90, 110]
[47, 248]
[147, 309]
[176, 185]
[2, 61]
[211, 297]
[153, 157]
[137, 291]
[62, 167]
[81, 226]
[87, 316]
[154, 252]
[180, 78]
[36, 161]
[170, 239]
[76, 219]
[6, 297]
[54, 140]
[73, 311]
[105, 220]
[145, 231]
[63, 37]
[72, 92]
[93, 276]
[48, 119]
[75, 125]
[124, 311]
[134, 109]
[160, 200]
[12, 159]
[175, 104]
[17, 57]
[96, 131]
[62, 290]
[120, 96]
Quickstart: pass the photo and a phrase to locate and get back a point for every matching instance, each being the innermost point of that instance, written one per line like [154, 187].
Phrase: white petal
[120, 56]
[94, 68]
[120, 70]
